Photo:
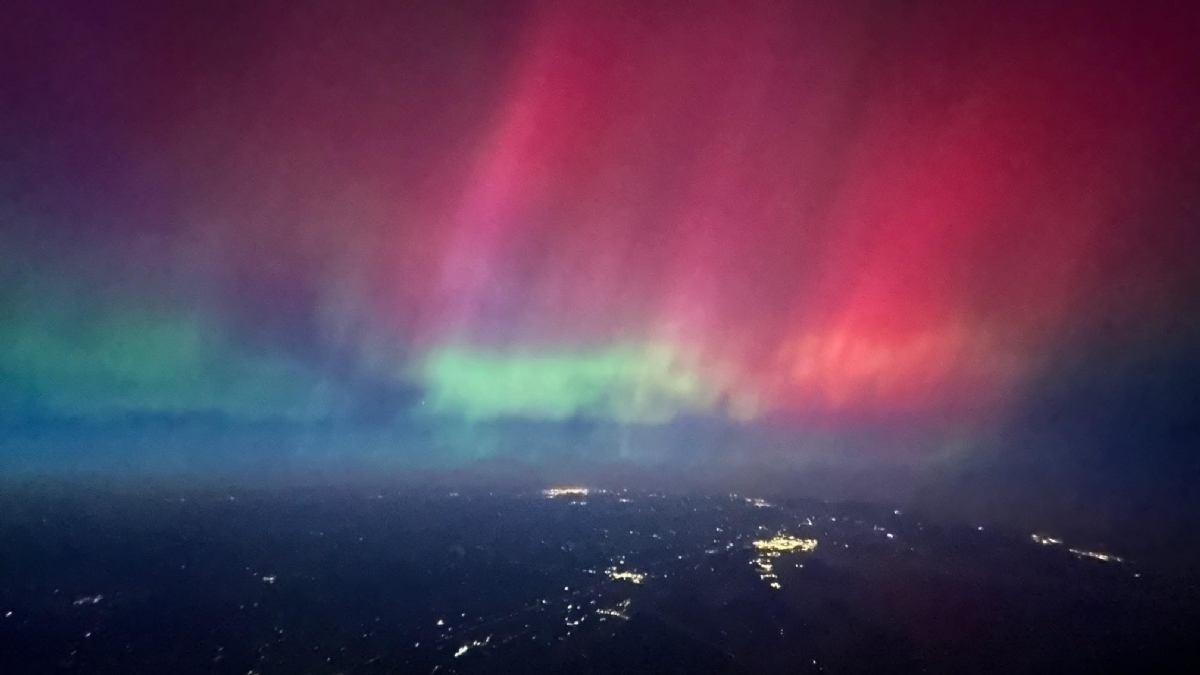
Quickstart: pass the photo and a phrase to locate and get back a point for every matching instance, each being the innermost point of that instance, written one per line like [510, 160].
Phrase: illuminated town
[632, 576]
[568, 491]
[1094, 555]
[784, 543]
[621, 611]
[1103, 557]
[474, 643]
[773, 548]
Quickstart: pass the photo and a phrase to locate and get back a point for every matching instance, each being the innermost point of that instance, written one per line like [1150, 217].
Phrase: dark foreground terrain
[368, 581]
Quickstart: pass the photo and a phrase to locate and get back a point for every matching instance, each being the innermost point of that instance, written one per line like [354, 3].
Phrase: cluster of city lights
[1094, 555]
[632, 576]
[1104, 557]
[474, 643]
[772, 548]
[785, 543]
[567, 491]
[621, 611]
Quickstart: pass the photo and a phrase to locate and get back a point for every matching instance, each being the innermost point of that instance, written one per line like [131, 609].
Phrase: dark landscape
[358, 581]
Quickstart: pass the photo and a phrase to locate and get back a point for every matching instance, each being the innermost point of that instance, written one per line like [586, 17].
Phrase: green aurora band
[646, 383]
[146, 361]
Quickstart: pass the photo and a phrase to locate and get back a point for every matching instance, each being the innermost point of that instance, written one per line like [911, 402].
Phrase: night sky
[703, 236]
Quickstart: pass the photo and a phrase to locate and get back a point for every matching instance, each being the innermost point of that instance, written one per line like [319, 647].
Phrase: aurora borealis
[842, 220]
